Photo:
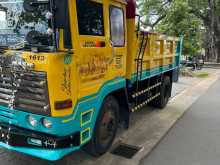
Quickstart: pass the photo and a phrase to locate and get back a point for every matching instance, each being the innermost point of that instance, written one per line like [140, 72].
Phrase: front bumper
[37, 144]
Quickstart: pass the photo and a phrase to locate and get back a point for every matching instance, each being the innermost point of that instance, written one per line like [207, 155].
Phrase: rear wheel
[165, 91]
[105, 128]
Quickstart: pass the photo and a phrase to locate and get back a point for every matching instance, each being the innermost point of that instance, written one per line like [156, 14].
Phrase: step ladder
[139, 64]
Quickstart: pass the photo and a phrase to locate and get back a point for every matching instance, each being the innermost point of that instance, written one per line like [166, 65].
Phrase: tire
[105, 128]
[165, 91]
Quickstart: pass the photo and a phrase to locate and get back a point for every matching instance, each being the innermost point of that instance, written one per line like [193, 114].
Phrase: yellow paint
[68, 120]
[90, 67]
[160, 50]
[60, 77]
[61, 39]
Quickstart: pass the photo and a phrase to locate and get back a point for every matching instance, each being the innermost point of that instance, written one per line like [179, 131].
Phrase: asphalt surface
[195, 138]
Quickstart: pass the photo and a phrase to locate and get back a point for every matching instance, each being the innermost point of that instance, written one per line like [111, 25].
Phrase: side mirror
[32, 5]
[61, 13]
[62, 21]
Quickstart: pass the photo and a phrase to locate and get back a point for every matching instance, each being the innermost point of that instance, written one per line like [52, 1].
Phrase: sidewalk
[147, 128]
[194, 139]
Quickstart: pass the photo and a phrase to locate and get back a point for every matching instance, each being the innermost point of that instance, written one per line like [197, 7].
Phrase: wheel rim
[107, 127]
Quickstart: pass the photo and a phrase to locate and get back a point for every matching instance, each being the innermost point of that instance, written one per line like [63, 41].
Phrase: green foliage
[176, 21]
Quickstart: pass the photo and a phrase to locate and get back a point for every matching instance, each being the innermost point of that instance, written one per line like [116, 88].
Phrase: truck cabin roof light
[63, 104]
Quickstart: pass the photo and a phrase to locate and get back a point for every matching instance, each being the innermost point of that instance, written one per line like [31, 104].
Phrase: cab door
[99, 35]
[93, 55]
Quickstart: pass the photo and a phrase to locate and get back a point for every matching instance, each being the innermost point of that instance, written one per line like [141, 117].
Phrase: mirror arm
[139, 21]
[139, 24]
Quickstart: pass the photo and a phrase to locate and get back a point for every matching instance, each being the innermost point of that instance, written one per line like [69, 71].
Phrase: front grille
[6, 89]
[23, 89]
[32, 93]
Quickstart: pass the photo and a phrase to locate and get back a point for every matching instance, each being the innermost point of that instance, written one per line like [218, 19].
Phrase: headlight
[32, 121]
[47, 123]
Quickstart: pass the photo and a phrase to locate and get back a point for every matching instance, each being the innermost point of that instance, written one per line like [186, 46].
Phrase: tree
[172, 17]
[175, 17]
[209, 12]
[153, 11]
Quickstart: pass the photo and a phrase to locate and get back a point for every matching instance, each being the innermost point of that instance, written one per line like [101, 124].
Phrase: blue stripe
[51, 155]
[155, 71]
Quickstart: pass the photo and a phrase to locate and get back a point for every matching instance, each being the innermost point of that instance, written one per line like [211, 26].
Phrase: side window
[90, 18]
[117, 26]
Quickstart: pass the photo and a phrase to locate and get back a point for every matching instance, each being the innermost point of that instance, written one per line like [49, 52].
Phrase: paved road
[195, 139]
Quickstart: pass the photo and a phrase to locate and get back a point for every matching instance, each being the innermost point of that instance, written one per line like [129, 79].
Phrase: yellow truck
[71, 71]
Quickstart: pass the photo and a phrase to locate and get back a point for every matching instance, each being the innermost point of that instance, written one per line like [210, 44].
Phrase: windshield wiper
[39, 48]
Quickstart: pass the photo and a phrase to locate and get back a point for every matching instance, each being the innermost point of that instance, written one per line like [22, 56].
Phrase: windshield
[16, 23]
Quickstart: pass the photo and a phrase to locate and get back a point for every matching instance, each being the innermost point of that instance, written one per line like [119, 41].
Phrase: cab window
[117, 30]
[90, 18]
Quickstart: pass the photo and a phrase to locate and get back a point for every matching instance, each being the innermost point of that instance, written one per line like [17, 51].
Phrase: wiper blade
[39, 48]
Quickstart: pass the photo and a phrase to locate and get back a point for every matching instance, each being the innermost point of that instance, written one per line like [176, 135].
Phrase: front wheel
[105, 128]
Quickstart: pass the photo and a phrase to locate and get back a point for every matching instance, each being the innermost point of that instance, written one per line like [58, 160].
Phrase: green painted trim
[47, 154]
[90, 119]
[153, 72]
[83, 141]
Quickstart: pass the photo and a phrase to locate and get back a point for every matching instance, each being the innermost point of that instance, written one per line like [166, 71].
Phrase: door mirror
[62, 20]
[61, 13]
[32, 5]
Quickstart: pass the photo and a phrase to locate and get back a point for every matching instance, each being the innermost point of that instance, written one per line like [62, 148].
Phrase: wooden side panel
[160, 51]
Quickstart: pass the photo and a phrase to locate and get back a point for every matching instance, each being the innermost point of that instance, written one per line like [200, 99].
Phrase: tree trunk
[218, 51]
